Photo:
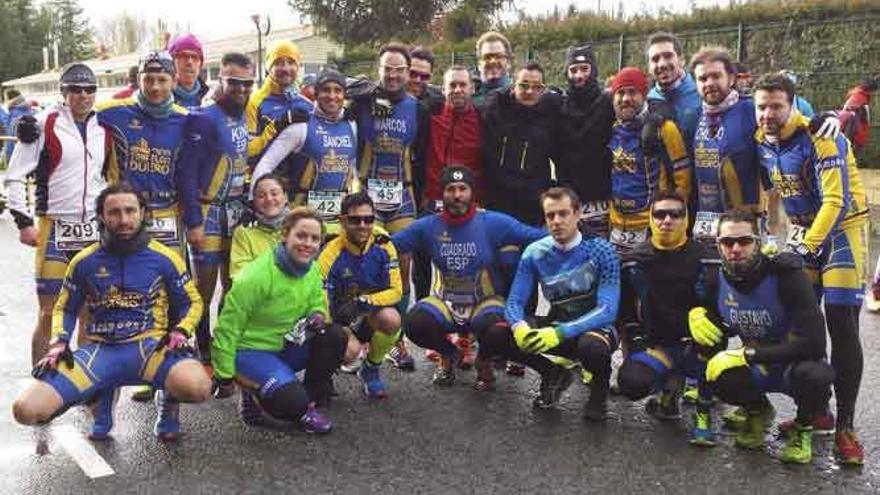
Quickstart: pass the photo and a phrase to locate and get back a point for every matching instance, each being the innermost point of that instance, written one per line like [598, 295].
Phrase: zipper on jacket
[85, 168]
[522, 158]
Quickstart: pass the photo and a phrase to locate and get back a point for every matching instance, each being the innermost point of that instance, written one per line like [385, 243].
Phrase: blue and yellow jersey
[146, 149]
[726, 168]
[129, 297]
[387, 145]
[373, 271]
[466, 256]
[213, 161]
[331, 152]
[817, 179]
[635, 178]
[264, 106]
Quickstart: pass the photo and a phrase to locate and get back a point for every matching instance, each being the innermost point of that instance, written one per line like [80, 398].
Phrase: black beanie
[581, 55]
[457, 173]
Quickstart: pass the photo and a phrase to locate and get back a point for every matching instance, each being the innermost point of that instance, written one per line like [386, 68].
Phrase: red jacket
[455, 140]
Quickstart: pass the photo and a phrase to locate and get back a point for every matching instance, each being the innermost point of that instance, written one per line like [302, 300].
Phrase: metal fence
[829, 57]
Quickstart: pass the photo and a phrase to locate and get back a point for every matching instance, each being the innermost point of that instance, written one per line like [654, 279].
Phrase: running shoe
[485, 375]
[444, 375]
[374, 388]
[400, 358]
[167, 426]
[823, 424]
[102, 413]
[664, 406]
[848, 449]
[315, 422]
[702, 434]
[736, 418]
[751, 435]
[553, 383]
[597, 405]
[798, 447]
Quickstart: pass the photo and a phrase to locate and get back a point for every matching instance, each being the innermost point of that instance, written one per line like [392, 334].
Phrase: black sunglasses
[744, 241]
[234, 81]
[360, 219]
[661, 214]
[80, 89]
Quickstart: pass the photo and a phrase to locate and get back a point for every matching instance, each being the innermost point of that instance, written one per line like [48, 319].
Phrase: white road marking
[82, 452]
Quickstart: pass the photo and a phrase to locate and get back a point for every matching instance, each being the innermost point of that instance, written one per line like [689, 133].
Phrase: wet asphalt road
[420, 440]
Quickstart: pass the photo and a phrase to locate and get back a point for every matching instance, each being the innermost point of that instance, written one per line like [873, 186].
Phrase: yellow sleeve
[391, 295]
[327, 257]
[682, 172]
[831, 167]
[732, 187]
[240, 251]
[180, 287]
[258, 142]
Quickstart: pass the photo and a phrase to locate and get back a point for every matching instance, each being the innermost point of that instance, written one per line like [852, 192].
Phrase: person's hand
[222, 388]
[702, 329]
[650, 135]
[381, 105]
[810, 258]
[724, 361]
[26, 129]
[28, 236]
[770, 248]
[348, 312]
[825, 125]
[58, 352]
[196, 237]
[538, 340]
[175, 342]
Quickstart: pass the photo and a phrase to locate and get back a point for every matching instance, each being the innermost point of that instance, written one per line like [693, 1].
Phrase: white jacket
[69, 173]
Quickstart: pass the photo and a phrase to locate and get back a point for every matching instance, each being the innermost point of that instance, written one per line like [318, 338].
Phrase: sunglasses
[360, 219]
[492, 57]
[744, 241]
[419, 76]
[80, 89]
[234, 81]
[661, 214]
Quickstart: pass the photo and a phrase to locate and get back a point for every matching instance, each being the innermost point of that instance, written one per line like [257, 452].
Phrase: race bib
[163, 229]
[326, 203]
[387, 195]
[595, 210]
[628, 239]
[236, 186]
[73, 236]
[706, 226]
[796, 235]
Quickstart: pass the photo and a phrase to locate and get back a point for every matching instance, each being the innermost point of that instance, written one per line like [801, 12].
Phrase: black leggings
[326, 351]
[427, 332]
[810, 388]
[846, 358]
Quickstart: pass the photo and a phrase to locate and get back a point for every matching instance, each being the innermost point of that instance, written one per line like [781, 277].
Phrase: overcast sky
[231, 17]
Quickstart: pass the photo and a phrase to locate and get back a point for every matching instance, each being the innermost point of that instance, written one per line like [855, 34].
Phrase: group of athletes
[651, 217]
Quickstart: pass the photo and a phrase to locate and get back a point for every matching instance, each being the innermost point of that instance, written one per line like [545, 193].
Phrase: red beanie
[630, 76]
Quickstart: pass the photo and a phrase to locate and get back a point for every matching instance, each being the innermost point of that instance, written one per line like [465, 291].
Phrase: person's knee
[594, 353]
[636, 380]
[386, 320]
[496, 338]
[289, 402]
[420, 324]
[28, 411]
[811, 379]
[736, 386]
[187, 381]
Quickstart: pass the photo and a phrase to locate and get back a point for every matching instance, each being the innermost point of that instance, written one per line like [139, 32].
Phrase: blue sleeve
[410, 238]
[521, 290]
[805, 108]
[70, 300]
[184, 302]
[608, 294]
[506, 230]
[194, 162]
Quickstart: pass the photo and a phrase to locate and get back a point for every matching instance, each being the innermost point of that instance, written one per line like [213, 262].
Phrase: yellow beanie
[282, 48]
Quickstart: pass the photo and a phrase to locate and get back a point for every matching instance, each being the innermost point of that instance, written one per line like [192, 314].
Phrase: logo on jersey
[135, 124]
[730, 301]
[623, 161]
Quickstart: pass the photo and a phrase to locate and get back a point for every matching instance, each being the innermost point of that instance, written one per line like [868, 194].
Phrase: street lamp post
[261, 31]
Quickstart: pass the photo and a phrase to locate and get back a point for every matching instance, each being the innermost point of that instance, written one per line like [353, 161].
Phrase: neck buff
[568, 246]
[116, 245]
[192, 93]
[501, 82]
[287, 264]
[160, 111]
[729, 101]
[674, 86]
[321, 114]
[669, 241]
[272, 223]
[456, 221]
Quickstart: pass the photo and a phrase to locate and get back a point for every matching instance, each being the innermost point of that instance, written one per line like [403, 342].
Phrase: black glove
[26, 129]
[291, 116]
[636, 339]
[381, 104]
[348, 312]
[650, 137]
[222, 388]
[57, 353]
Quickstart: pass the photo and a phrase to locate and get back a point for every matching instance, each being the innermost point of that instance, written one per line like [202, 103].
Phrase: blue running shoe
[167, 426]
[702, 434]
[314, 422]
[102, 413]
[373, 385]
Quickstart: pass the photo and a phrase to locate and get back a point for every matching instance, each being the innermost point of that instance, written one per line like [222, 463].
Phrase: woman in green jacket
[273, 325]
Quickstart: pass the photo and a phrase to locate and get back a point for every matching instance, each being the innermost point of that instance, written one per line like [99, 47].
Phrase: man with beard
[188, 61]
[768, 304]
[494, 57]
[420, 71]
[671, 83]
[463, 244]
[824, 199]
[143, 307]
[213, 164]
[584, 162]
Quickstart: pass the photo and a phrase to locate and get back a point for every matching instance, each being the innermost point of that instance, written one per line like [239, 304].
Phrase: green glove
[703, 330]
[520, 331]
[539, 340]
[724, 361]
